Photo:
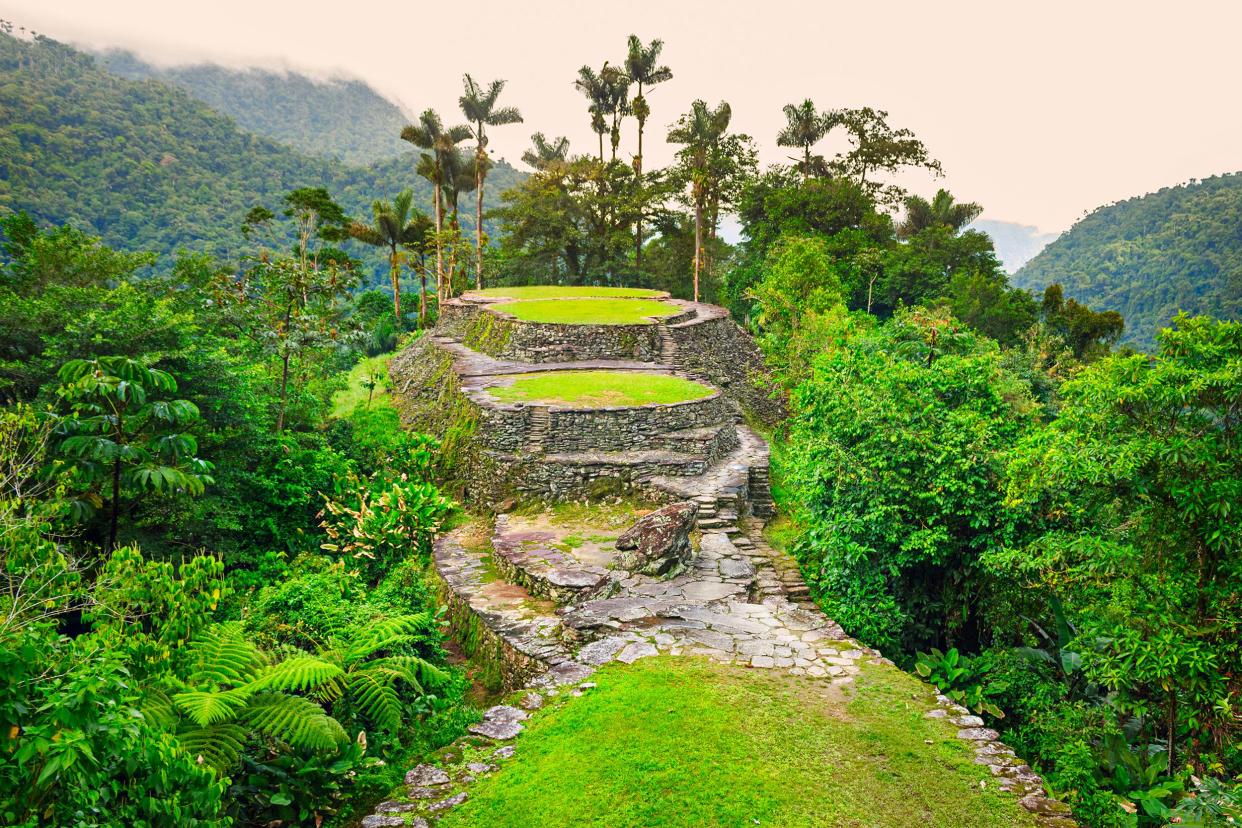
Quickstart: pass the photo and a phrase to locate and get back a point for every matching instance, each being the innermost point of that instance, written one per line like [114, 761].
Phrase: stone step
[545, 571]
[519, 628]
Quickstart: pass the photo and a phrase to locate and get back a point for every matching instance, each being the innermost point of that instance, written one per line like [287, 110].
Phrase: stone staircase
[540, 425]
[668, 347]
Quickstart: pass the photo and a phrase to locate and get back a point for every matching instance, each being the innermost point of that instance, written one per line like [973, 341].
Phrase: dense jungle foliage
[342, 119]
[1151, 257]
[214, 606]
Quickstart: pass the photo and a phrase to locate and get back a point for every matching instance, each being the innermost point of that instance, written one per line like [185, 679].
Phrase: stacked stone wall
[716, 350]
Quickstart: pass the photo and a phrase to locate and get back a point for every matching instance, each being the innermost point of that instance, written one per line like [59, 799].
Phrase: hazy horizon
[1040, 113]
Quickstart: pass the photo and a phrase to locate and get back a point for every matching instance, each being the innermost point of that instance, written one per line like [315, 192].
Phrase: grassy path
[684, 742]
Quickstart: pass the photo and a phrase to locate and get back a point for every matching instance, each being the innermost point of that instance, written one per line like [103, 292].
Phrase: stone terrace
[546, 605]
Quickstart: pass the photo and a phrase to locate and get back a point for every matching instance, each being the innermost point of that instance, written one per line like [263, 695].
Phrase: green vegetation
[1151, 257]
[336, 118]
[590, 311]
[676, 742]
[366, 384]
[146, 167]
[599, 389]
[214, 531]
[569, 292]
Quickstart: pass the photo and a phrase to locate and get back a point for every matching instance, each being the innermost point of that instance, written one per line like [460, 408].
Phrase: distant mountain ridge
[1016, 244]
[1176, 249]
[147, 167]
[336, 118]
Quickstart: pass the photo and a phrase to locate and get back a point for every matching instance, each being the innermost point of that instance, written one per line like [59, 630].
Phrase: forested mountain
[1016, 244]
[343, 119]
[146, 167]
[1148, 257]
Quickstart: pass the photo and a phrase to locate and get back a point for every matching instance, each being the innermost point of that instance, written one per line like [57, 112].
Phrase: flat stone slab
[424, 776]
[500, 731]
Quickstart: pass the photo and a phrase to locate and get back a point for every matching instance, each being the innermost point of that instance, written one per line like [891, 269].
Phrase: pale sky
[1040, 111]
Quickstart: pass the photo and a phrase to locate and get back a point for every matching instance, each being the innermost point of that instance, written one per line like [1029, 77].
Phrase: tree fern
[219, 746]
[206, 708]
[221, 656]
[385, 634]
[300, 673]
[158, 709]
[375, 693]
[297, 721]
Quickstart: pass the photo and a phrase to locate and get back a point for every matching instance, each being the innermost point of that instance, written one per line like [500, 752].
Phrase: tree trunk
[478, 220]
[422, 293]
[396, 284]
[638, 170]
[601, 147]
[116, 504]
[439, 243]
[284, 371]
[698, 244]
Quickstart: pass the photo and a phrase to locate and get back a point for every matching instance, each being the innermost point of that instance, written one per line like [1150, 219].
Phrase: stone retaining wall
[506, 427]
[621, 429]
[716, 350]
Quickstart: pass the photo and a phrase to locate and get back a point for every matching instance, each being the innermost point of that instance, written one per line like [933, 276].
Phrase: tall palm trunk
[395, 274]
[478, 221]
[422, 293]
[638, 171]
[439, 214]
[698, 243]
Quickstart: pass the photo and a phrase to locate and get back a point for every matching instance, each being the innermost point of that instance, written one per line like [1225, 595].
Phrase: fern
[299, 673]
[219, 746]
[158, 709]
[377, 698]
[221, 656]
[419, 673]
[206, 708]
[295, 720]
[385, 634]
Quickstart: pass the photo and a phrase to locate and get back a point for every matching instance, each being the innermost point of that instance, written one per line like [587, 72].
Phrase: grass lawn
[599, 389]
[589, 311]
[368, 368]
[681, 742]
[557, 292]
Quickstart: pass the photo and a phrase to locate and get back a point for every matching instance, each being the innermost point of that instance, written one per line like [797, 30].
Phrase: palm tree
[460, 176]
[479, 107]
[616, 92]
[430, 134]
[595, 87]
[422, 233]
[394, 226]
[700, 131]
[642, 64]
[545, 153]
[941, 211]
[805, 127]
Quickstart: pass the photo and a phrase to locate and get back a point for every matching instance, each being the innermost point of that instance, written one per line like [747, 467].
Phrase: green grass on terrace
[599, 389]
[589, 311]
[568, 292]
[678, 743]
